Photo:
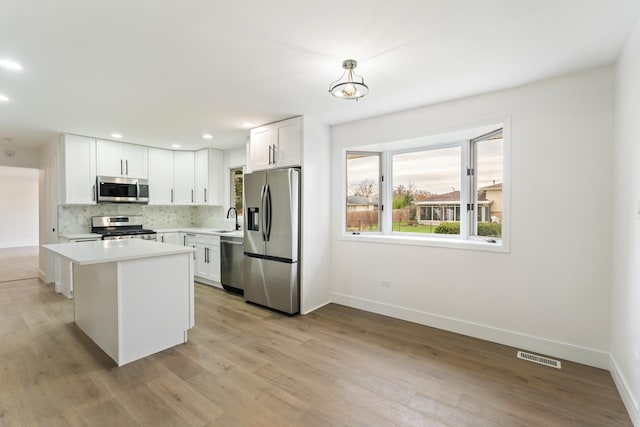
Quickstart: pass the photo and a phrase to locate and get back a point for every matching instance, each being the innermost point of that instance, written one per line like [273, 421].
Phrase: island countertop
[102, 251]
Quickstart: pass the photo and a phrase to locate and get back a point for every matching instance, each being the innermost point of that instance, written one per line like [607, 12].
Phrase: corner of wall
[630, 402]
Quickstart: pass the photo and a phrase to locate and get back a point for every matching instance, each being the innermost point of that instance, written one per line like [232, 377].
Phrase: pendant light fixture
[346, 87]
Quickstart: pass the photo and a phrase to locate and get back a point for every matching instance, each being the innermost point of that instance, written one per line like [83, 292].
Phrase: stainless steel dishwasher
[231, 264]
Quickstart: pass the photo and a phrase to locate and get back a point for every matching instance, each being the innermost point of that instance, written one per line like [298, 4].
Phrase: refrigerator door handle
[263, 194]
[268, 212]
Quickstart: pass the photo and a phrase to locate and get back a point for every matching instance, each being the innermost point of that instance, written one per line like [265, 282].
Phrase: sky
[435, 171]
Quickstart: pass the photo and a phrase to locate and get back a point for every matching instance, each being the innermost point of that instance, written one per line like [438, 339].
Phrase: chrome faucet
[229, 213]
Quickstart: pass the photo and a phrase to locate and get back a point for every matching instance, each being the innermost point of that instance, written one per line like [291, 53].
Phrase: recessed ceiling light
[246, 124]
[3, 97]
[207, 136]
[10, 65]
[175, 146]
[116, 135]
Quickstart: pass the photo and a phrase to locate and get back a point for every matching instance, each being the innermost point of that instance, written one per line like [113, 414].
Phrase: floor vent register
[539, 359]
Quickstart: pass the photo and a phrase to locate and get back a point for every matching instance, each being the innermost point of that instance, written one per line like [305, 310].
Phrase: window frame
[467, 238]
[380, 191]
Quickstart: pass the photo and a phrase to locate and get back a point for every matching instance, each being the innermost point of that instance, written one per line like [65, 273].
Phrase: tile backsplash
[77, 219]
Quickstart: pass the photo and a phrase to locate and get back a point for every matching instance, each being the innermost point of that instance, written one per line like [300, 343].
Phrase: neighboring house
[494, 193]
[437, 208]
[361, 203]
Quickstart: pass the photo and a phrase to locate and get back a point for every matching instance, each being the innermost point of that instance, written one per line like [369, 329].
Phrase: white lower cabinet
[173, 238]
[64, 279]
[207, 269]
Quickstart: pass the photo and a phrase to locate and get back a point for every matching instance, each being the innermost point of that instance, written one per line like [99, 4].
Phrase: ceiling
[166, 72]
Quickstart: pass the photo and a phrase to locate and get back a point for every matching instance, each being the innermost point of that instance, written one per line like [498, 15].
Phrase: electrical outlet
[80, 219]
[385, 283]
[173, 218]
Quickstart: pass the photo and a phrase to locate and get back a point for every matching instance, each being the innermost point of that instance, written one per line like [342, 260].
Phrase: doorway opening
[19, 227]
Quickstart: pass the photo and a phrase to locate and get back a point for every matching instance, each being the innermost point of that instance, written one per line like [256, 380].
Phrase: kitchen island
[132, 297]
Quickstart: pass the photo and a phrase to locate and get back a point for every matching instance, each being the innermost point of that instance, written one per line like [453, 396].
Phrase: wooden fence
[368, 220]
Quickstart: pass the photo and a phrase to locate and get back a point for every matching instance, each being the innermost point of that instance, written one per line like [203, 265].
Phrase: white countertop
[200, 230]
[81, 236]
[101, 251]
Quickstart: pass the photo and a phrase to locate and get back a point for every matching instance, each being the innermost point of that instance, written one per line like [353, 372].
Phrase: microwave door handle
[137, 190]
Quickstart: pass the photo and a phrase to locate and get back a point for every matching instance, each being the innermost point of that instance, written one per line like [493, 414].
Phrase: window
[426, 181]
[488, 150]
[450, 188]
[236, 189]
[363, 192]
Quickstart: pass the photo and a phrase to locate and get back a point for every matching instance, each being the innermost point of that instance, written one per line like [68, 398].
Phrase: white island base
[132, 307]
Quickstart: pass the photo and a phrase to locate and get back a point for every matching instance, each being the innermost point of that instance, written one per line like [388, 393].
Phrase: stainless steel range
[117, 227]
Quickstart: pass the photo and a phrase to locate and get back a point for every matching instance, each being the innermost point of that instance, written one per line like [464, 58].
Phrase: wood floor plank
[248, 366]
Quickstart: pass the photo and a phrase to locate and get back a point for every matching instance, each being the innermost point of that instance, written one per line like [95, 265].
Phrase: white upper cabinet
[263, 139]
[287, 151]
[208, 177]
[183, 178]
[276, 145]
[77, 157]
[160, 176]
[122, 159]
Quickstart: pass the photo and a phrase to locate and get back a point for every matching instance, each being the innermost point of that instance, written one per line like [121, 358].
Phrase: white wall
[551, 292]
[48, 218]
[12, 154]
[625, 327]
[18, 207]
[315, 196]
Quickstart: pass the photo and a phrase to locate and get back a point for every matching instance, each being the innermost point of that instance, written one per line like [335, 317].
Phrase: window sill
[438, 242]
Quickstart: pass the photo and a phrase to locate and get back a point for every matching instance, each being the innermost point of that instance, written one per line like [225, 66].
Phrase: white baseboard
[630, 402]
[315, 308]
[17, 244]
[583, 355]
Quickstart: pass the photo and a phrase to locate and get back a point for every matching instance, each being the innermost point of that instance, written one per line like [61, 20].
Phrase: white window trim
[385, 236]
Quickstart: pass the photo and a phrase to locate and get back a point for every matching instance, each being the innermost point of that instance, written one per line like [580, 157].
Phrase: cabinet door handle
[270, 153]
[184, 238]
[93, 190]
[275, 159]
[172, 200]
[162, 239]
[192, 195]
[121, 169]
[205, 195]
[126, 162]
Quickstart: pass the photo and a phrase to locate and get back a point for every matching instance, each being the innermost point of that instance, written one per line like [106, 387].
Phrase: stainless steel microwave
[122, 190]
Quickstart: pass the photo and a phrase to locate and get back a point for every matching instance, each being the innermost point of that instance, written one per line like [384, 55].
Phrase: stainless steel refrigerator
[271, 239]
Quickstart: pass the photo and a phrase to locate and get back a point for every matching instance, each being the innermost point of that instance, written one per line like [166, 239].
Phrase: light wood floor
[18, 263]
[245, 365]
